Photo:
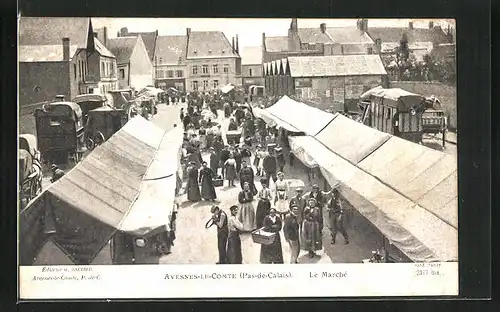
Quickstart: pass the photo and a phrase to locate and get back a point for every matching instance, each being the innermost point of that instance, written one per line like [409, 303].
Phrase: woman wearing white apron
[281, 195]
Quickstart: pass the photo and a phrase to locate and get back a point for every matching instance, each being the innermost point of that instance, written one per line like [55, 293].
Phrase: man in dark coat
[186, 121]
[233, 126]
[206, 182]
[291, 230]
[238, 158]
[220, 219]
[280, 158]
[336, 217]
[224, 155]
[270, 167]
[250, 127]
[214, 162]
[247, 175]
[239, 114]
[300, 202]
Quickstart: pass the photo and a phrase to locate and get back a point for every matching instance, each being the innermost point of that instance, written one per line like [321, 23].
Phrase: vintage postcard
[237, 158]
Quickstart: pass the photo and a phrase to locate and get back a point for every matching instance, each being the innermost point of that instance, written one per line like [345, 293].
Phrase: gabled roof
[348, 35]
[149, 39]
[170, 49]
[251, 55]
[277, 44]
[122, 48]
[44, 53]
[101, 49]
[313, 35]
[46, 31]
[394, 34]
[209, 44]
[336, 65]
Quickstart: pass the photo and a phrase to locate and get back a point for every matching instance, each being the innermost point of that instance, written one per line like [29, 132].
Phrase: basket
[260, 236]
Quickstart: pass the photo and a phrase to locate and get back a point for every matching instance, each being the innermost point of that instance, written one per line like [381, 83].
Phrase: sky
[249, 30]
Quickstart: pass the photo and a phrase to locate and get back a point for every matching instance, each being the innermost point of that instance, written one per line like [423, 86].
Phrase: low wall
[445, 93]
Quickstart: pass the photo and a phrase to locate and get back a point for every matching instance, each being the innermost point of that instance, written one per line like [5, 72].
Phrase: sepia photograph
[181, 142]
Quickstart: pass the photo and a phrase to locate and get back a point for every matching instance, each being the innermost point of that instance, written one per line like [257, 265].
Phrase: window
[250, 72]
[103, 69]
[204, 69]
[195, 85]
[226, 68]
[215, 68]
[122, 73]
[160, 73]
[216, 84]
[112, 69]
[170, 73]
[179, 73]
[370, 50]
[205, 85]
[195, 70]
[74, 70]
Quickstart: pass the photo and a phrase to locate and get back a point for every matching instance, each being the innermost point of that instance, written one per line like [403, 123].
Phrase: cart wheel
[89, 144]
[99, 138]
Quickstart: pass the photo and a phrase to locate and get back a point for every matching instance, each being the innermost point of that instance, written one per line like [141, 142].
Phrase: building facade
[170, 62]
[134, 67]
[333, 82]
[211, 61]
[252, 67]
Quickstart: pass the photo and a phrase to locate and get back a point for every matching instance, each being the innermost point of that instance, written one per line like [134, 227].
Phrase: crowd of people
[258, 155]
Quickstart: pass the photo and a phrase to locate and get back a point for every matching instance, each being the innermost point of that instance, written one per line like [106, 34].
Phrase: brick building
[170, 62]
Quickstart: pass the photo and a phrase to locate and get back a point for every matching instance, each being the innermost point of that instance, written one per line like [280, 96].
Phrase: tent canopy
[106, 192]
[409, 226]
[350, 139]
[293, 116]
[299, 146]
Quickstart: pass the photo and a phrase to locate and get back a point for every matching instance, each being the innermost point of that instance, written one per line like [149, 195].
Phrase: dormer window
[209, 51]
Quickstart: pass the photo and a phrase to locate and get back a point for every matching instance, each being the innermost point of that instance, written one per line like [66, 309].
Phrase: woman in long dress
[206, 182]
[311, 231]
[247, 211]
[272, 253]
[281, 195]
[230, 167]
[235, 227]
[193, 189]
[264, 205]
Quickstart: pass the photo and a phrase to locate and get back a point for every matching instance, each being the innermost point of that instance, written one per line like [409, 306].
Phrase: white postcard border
[238, 281]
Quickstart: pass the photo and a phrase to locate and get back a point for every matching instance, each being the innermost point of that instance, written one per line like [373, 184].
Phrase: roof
[117, 187]
[122, 48]
[209, 44]
[297, 117]
[348, 35]
[313, 35]
[394, 34]
[92, 97]
[170, 49]
[336, 65]
[101, 49]
[355, 145]
[251, 55]
[149, 39]
[44, 53]
[277, 44]
[43, 31]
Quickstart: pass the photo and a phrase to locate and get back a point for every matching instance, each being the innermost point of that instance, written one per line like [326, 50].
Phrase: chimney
[237, 45]
[65, 44]
[105, 36]
[431, 24]
[188, 32]
[124, 32]
[322, 26]
[378, 45]
[362, 24]
[233, 46]
[410, 25]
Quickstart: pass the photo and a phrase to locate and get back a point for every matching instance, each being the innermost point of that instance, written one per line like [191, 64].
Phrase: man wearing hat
[299, 201]
[56, 173]
[319, 196]
[291, 230]
[336, 216]
[214, 161]
[220, 220]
